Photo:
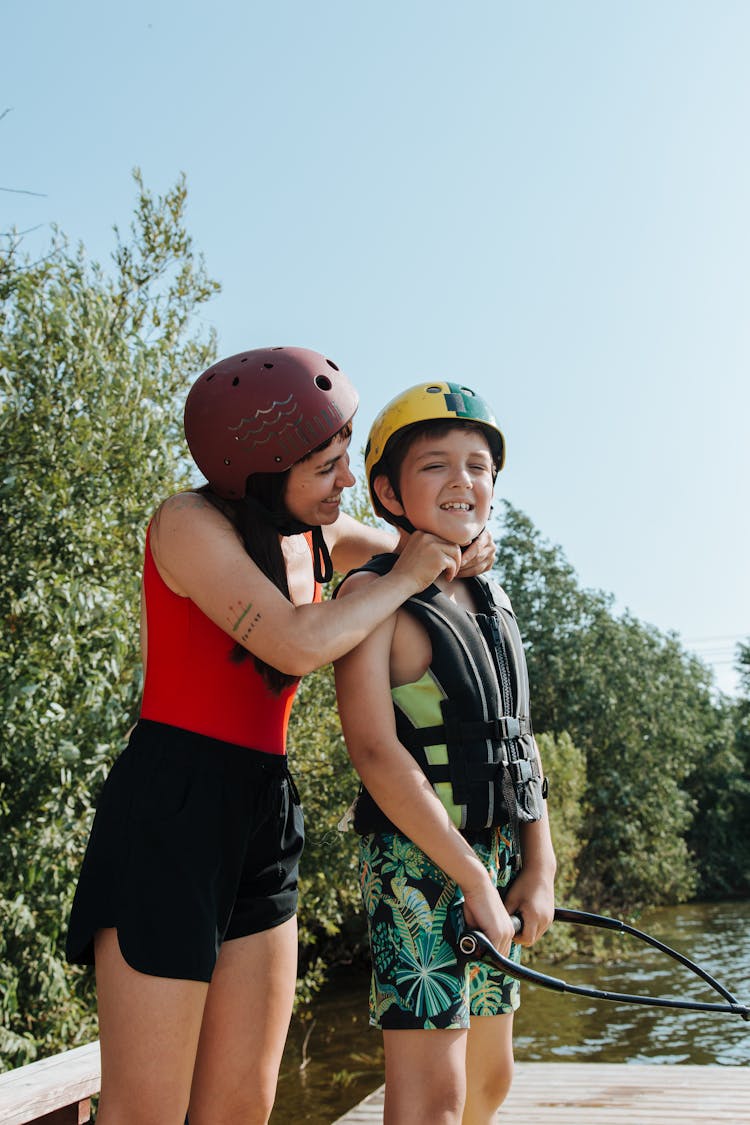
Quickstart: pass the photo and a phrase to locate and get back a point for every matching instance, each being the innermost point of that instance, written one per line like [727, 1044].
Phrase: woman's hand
[479, 556]
[425, 557]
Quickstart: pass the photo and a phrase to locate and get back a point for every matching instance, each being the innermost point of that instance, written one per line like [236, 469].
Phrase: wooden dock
[611, 1094]
[53, 1091]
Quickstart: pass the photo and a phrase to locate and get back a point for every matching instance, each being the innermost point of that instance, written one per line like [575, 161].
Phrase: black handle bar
[475, 946]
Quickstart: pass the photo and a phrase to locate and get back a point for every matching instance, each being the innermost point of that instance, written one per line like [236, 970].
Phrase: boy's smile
[446, 484]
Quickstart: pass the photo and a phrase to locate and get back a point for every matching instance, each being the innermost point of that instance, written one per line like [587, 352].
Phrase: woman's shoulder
[188, 523]
[179, 503]
[188, 511]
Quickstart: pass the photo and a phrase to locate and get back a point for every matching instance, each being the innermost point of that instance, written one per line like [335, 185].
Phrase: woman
[187, 896]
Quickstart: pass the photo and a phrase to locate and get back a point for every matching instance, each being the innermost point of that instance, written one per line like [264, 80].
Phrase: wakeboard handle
[475, 946]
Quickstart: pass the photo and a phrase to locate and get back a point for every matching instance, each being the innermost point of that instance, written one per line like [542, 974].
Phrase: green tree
[633, 701]
[332, 926]
[564, 762]
[93, 365]
[720, 787]
[566, 765]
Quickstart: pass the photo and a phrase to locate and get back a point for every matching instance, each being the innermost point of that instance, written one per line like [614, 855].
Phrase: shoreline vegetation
[649, 766]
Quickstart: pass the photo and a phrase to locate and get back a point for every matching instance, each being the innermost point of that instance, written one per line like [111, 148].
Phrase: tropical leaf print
[413, 905]
[414, 912]
[370, 882]
[491, 993]
[430, 990]
[404, 857]
[404, 932]
[382, 998]
[381, 948]
[447, 897]
[497, 858]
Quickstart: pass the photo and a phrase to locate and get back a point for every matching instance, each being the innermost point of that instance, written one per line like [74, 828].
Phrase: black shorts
[195, 842]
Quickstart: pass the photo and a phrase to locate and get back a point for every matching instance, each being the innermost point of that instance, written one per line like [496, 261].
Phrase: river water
[333, 1059]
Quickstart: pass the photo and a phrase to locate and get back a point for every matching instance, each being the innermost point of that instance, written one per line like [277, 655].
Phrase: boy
[434, 709]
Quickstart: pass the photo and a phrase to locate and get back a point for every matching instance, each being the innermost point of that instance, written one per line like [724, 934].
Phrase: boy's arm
[396, 782]
[532, 893]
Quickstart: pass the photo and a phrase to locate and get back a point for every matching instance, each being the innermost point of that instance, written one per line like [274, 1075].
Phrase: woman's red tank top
[192, 682]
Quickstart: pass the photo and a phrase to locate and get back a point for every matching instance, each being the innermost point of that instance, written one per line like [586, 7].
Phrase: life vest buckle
[506, 728]
[512, 727]
[522, 770]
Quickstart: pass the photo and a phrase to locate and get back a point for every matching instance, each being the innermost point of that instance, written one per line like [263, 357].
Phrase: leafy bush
[638, 706]
[565, 768]
[332, 926]
[92, 367]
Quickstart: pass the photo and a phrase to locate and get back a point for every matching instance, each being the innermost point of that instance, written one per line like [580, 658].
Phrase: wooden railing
[53, 1091]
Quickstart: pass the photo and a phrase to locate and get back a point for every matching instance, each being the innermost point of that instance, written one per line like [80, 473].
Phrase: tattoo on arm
[240, 615]
[250, 626]
[243, 614]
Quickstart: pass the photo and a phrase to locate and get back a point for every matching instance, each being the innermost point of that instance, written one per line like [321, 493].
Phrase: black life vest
[479, 669]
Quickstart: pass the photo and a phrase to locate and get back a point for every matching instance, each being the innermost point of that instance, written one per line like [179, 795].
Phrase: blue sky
[547, 201]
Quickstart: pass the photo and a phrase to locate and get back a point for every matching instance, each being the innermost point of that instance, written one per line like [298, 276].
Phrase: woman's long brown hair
[262, 543]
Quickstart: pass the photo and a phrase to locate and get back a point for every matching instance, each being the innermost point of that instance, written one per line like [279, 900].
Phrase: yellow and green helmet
[429, 402]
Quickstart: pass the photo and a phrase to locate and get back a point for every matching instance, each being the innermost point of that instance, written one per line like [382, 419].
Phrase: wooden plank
[78, 1114]
[53, 1091]
[611, 1094]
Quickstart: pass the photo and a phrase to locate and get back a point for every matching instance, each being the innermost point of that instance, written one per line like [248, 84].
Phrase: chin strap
[322, 565]
[288, 525]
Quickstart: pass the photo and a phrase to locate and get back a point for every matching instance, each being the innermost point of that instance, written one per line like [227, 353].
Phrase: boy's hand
[484, 910]
[479, 556]
[534, 901]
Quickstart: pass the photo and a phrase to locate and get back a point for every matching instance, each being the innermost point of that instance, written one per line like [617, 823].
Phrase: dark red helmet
[261, 411]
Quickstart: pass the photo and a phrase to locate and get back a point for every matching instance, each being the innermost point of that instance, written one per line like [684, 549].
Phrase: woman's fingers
[427, 556]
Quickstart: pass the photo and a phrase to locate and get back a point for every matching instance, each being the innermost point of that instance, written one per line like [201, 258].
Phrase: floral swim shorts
[414, 913]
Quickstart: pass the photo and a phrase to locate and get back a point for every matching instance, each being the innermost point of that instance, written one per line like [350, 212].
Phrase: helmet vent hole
[277, 349]
[235, 382]
[277, 458]
[332, 364]
[323, 382]
[227, 461]
[434, 390]
[244, 359]
[468, 391]
[268, 365]
[210, 377]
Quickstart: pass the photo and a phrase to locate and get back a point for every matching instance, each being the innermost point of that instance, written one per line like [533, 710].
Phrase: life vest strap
[504, 728]
[520, 771]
